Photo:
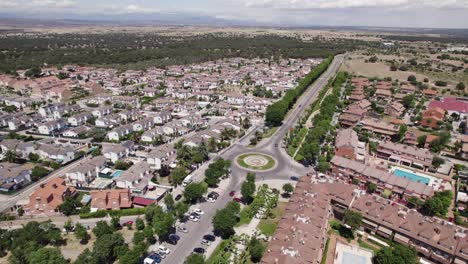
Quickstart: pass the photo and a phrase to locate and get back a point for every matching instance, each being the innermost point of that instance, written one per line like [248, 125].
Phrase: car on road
[182, 229]
[177, 198]
[174, 236]
[211, 199]
[232, 193]
[294, 178]
[209, 237]
[152, 258]
[164, 250]
[213, 194]
[199, 250]
[197, 211]
[237, 200]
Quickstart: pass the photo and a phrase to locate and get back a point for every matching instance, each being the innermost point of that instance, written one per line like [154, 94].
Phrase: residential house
[48, 196]
[55, 153]
[136, 178]
[50, 127]
[404, 154]
[347, 145]
[85, 172]
[79, 119]
[452, 105]
[110, 200]
[115, 152]
[432, 117]
[13, 176]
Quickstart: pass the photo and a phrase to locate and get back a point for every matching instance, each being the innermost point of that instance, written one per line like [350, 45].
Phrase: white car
[193, 218]
[164, 250]
[211, 200]
[182, 229]
[197, 211]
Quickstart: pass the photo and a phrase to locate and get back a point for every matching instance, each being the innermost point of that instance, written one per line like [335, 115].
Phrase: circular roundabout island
[256, 161]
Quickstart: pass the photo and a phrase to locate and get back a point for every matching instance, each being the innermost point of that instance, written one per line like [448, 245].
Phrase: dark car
[237, 200]
[213, 194]
[199, 250]
[177, 198]
[209, 238]
[174, 236]
[294, 178]
[232, 193]
[154, 257]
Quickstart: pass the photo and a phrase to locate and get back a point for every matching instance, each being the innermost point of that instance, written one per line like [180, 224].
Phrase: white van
[187, 180]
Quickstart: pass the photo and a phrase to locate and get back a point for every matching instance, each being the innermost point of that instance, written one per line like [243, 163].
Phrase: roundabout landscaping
[256, 161]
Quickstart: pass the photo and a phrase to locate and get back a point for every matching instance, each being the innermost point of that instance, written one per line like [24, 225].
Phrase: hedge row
[277, 111]
[104, 213]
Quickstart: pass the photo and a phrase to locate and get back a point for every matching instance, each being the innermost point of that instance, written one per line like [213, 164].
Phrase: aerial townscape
[272, 132]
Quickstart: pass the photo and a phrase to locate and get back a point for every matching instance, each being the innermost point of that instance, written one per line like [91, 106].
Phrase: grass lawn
[368, 246]
[268, 226]
[270, 162]
[270, 132]
[244, 218]
[219, 253]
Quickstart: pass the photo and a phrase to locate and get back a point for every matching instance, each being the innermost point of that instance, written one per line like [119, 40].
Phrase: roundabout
[256, 161]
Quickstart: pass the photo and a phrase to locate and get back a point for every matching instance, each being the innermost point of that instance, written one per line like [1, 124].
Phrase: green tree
[408, 101]
[169, 201]
[437, 162]
[11, 156]
[178, 175]
[38, 172]
[371, 187]
[438, 204]
[247, 191]
[107, 247]
[163, 224]
[223, 222]
[323, 165]
[86, 257]
[411, 78]
[396, 255]
[194, 259]
[421, 140]
[256, 250]
[68, 225]
[102, 228]
[413, 202]
[251, 177]
[47, 256]
[180, 209]
[139, 223]
[194, 191]
[288, 188]
[352, 219]
[460, 86]
[115, 222]
[33, 157]
[69, 205]
[81, 233]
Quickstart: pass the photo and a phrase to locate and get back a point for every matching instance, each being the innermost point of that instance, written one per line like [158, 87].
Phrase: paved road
[271, 146]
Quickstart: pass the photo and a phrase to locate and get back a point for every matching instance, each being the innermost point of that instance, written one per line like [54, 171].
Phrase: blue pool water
[411, 176]
[116, 174]
[350, 258]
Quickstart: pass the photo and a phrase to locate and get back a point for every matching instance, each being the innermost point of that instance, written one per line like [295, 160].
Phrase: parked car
[177, 198]
[213, 194]
[205, 242]
[232, 193]
[237, 200]
[128, 223]
[164, 250]
[174, 236]
[152, 258]
[194, 218]
[211, 199]
[197, 211]
[182, 229]
[209, 237]
[199, 250]
[294, 178]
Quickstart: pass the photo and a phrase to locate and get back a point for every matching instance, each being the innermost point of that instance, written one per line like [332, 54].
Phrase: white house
[48, 128]
[86, 171]
[115, 152]
[136, 178]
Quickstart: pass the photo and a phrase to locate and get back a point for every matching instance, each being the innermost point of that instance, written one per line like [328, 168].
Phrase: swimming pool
[116, 174]
[411, 176]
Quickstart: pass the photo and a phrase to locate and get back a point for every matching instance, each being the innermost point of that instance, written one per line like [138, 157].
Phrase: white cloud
[54, 3]
[343, 4]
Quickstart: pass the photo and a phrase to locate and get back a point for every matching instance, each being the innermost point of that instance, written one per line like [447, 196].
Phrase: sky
[381, 13]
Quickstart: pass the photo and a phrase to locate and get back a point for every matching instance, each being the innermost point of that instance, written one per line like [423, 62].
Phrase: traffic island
[256, 161]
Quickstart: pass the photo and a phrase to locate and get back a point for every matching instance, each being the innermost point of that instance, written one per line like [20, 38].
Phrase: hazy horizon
[293, 13]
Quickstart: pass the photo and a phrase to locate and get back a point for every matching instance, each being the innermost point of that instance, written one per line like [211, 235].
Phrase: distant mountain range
[134, 19]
